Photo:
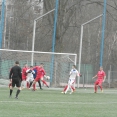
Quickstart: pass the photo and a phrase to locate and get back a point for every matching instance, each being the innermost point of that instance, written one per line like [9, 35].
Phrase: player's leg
[101, 88]
[11, 88]
[71, 87]
[28, 82]
[34, 84]
[23, 84]
[95, 86]
[64, 89]
[39, 84]
[18, 84]
[28, 85]
[69, 82]
[67, 88]
[10, 84]
[44, 82]
[100, 85]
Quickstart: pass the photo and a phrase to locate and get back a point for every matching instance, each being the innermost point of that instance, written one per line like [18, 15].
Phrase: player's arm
[78, 74]
[23, 71]
[27, 70]
[36, 67]
[20, 73]
[33, 72]
[10, 75]
[44, 73]
[94, 77]
[104, 77]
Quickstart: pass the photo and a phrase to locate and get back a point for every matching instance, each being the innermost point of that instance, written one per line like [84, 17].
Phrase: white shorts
[29, 79]
[71, 81]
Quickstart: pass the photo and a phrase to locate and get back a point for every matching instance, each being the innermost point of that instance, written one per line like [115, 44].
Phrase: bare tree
[71, 14]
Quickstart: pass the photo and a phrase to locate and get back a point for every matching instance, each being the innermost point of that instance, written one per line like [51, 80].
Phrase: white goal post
[62, 63]
[81, 40]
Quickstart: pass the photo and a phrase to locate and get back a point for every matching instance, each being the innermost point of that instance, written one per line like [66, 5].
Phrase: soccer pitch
[51, 103]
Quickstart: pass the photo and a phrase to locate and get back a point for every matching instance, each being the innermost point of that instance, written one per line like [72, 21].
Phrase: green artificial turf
[51, 103]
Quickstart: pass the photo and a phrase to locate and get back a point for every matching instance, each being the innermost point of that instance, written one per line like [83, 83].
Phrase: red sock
[65, 88]
[95, 87]
[27, 85]
[34, 87]
[44, 82]
[72, 88]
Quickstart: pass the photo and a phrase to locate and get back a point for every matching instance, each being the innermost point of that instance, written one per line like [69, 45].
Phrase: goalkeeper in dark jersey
[15, 77]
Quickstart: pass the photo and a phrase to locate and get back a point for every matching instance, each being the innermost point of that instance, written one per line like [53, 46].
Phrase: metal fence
[112, 79]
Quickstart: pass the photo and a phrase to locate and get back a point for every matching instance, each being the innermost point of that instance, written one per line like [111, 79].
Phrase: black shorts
[16, 82]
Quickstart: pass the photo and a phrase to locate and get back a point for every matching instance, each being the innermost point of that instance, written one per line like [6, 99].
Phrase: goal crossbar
[37, 52]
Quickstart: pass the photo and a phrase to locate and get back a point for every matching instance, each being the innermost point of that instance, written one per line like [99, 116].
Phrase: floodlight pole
[54, 39]
[34, 29]
[103, 34]
[2, 21]
[80, 49]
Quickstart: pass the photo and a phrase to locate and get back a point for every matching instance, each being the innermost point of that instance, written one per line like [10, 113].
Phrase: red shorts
[38, 78]
[98, 82]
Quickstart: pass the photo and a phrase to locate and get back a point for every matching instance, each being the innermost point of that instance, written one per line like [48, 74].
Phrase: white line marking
[89, 103]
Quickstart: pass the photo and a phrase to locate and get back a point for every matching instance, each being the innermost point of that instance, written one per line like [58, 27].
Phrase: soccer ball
[47, 77]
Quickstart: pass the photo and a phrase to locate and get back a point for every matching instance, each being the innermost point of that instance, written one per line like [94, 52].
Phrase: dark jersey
[15, 73]
[34, 75]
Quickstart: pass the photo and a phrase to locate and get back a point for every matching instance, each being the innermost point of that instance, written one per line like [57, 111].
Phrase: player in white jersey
[73, 74]
[30, 76]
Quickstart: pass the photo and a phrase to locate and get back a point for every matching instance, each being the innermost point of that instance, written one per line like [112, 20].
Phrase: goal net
[56, 65]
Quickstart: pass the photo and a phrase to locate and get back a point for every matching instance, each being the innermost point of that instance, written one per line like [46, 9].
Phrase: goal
[57, 65]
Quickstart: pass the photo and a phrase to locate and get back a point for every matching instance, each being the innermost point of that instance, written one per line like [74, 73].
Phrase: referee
[15, 78]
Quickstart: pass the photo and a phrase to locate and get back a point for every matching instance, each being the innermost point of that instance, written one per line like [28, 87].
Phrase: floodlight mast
[80, 49]
[34, 29]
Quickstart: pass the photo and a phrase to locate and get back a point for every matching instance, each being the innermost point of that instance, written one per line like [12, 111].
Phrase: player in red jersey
[40, 75]
[24, 76]
[100, 79]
